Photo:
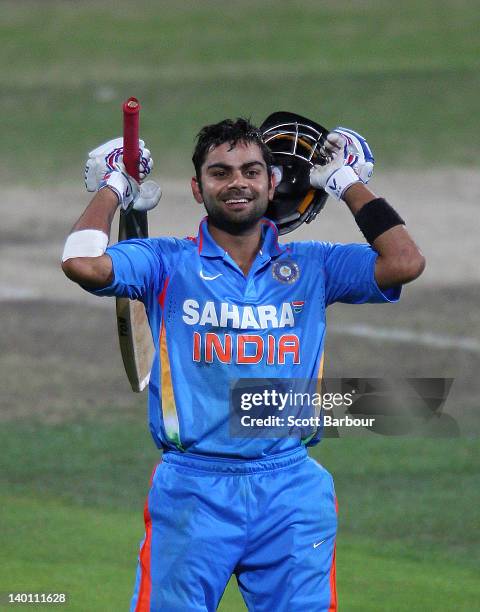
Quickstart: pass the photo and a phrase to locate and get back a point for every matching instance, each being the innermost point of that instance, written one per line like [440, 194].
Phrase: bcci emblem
[286, 271]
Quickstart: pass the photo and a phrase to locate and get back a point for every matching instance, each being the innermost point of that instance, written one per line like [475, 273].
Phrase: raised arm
[84, 260]
[399, 259]
[344, 177]
[91, 234]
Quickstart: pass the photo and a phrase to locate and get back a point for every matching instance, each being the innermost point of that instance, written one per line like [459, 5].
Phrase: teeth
[241, 201]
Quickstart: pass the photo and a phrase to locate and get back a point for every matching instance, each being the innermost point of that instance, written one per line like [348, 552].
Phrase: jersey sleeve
[350, 275]
[138, 265]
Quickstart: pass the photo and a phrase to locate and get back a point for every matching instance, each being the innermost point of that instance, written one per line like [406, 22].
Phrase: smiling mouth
[237, 203]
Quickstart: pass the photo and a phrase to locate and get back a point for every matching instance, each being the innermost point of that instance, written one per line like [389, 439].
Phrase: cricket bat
[134, 333]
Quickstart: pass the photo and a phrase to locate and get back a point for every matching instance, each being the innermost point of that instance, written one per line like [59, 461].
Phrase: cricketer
[234, 303]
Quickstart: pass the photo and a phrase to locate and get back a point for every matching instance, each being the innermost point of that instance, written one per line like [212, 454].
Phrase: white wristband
[85, 243]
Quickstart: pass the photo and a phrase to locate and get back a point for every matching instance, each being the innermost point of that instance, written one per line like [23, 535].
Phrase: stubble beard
[233, 222]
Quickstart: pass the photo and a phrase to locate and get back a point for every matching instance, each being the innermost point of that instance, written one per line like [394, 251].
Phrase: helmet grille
[297, 145]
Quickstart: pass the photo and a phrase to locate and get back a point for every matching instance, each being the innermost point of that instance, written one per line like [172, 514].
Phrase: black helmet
[296, 146]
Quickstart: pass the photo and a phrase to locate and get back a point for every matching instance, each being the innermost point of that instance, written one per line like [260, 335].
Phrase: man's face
[235, 187]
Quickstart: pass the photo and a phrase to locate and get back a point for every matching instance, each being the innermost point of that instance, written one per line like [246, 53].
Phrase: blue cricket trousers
[271, 522]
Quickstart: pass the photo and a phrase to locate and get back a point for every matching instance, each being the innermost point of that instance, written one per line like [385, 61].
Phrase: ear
[196, 190]
[271, 187]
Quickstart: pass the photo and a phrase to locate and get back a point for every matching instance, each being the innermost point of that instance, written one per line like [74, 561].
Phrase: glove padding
[105, 168]
[358, 154]
[350, 161]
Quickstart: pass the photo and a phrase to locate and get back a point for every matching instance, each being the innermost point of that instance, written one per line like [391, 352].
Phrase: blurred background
[76, 453]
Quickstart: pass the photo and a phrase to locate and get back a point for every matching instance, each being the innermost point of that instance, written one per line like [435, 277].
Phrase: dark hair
[233, 132]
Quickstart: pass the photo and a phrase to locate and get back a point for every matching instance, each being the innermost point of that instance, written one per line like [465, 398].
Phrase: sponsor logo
[215, 344]
[317, 544]
[223, 314]
[208, 278]
[298, 306]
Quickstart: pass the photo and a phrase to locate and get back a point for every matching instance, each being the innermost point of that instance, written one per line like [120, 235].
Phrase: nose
[237, 180]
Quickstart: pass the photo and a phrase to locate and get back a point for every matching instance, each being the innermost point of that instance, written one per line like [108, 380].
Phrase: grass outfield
[89, 554]
[71, 506]
[405, 74]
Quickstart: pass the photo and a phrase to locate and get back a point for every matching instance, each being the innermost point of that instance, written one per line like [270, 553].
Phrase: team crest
[286, 271]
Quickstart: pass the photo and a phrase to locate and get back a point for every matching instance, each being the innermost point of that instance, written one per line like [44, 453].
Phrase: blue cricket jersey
[211, 325]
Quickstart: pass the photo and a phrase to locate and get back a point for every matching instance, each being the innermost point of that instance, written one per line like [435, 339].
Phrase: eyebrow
[243, 166]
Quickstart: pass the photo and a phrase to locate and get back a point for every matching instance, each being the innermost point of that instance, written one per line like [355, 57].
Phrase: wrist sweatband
[376, 217]
[85, 243]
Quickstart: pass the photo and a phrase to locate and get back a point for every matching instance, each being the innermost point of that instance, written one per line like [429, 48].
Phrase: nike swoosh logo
[317, 544]
[207, 278]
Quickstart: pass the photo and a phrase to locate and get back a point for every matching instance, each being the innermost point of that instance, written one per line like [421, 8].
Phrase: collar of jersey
[207, 247]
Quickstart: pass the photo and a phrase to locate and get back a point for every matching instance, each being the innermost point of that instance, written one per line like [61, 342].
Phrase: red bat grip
[131, 147]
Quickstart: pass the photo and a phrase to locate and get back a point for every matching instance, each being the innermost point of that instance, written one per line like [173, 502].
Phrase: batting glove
[350, 160]
[105, 168]
[358, 154]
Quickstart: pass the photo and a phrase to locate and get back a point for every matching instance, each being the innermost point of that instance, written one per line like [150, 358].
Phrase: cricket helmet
[296, 143]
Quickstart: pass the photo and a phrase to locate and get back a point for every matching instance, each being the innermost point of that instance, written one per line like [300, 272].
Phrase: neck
[242, 248]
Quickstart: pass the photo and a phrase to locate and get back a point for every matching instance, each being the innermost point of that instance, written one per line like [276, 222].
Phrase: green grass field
[71, 492]
[72, 510]
[406, 74]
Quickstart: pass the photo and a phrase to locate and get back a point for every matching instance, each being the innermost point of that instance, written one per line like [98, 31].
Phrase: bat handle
[131, 146]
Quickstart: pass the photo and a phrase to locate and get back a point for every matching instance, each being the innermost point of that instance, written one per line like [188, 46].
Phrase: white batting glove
[350, 161]
[104, 158]
[105, 168]
[149, 196]
[358, 154]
